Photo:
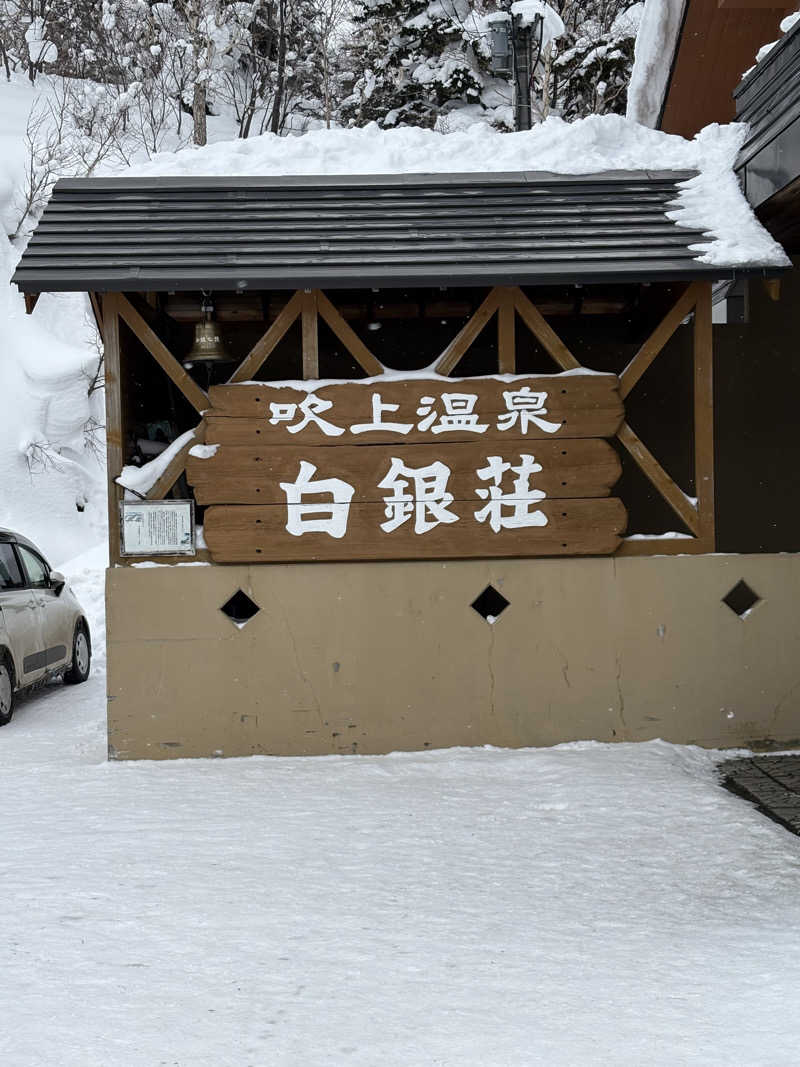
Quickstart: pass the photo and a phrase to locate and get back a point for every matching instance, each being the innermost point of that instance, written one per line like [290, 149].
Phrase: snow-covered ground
[582, 905]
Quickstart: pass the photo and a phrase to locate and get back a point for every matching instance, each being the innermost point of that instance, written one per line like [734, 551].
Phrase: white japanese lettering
[325, 516]
[428, 502]
[378, 408]
[526, 407]
[459, 414]
[309, 409]
[520, 502]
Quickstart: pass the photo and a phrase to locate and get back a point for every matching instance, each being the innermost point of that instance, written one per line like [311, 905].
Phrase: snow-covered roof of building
[654, 55]
[600, 199]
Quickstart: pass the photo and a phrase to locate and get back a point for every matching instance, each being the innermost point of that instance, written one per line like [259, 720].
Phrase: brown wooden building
[452, 469]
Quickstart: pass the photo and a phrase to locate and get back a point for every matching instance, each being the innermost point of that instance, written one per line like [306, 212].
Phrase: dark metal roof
[768, 100]
[340, 232]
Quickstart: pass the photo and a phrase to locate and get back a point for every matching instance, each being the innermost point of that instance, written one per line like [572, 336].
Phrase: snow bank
[51, 487]
[711, 202]
[655, 50]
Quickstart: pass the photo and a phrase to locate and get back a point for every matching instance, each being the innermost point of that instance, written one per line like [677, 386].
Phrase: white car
[43, 630]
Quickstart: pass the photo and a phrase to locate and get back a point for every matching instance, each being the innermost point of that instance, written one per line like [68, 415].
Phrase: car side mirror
[57, 582]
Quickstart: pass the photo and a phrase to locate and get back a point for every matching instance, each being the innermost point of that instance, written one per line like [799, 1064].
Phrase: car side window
[38, 571]
[10, 574]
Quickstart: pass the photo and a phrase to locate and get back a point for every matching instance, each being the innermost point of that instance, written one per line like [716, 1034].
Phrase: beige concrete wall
[382, 656]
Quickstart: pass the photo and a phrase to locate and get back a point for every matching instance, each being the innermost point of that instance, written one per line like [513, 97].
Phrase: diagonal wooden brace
[196, 396]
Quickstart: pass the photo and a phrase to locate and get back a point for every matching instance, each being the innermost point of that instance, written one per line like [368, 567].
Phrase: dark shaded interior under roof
[166, 234]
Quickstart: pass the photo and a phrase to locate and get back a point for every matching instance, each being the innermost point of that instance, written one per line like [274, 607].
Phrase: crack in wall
[490, 666]
[621, 699]
[564, 667]
[303, 676]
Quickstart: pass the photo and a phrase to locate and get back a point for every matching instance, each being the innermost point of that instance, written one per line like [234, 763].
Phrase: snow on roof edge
[711, 201]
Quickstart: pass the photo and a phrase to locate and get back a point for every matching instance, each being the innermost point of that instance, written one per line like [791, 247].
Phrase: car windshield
[10, 574]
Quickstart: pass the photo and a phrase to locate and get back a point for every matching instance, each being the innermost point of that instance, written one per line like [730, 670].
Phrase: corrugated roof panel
[303, 232]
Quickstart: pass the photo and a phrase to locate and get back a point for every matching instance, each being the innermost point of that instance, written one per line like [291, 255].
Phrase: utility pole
[521, 50]
[516, 44]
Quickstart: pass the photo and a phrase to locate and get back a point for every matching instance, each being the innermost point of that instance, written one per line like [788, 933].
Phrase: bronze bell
[208, 345]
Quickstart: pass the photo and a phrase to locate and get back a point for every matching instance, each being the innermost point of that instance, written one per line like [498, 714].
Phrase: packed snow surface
[712, 202]
[572, 906]
[656, 42]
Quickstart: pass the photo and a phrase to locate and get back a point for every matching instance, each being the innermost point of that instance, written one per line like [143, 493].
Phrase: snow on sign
[411, 469]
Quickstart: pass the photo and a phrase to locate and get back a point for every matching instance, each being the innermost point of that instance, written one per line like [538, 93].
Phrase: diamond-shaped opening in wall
[741, 599]
[490, 605]
[240, 609]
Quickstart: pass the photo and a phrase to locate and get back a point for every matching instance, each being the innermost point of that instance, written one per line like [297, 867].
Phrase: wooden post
[506, 341]
[310, 336]
[704, 417]
[115, 430]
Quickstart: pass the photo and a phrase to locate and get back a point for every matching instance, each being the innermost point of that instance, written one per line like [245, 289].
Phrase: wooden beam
[650, 467]
[506, 340]
[97, 311]
[349, 338]
[658, 338]
[201, 555]
[467, 334]
[162, 355]
[544, 334]
[176, 466]
[413, 309]
[704, 416]
[661, 546]
[114, 422]
[773, 288]
[31, 299]
[265, 346]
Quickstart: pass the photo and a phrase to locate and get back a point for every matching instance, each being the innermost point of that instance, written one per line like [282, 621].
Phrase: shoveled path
[771, 782]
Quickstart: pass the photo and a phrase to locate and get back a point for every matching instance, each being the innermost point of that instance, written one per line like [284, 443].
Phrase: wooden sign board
[411, 469]
[414, 410]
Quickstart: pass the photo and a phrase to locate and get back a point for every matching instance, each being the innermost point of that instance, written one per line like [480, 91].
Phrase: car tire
[6, 690]
[78, 670]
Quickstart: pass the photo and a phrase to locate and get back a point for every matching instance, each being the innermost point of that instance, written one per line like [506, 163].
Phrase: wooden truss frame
[697, 514]
[506, 302]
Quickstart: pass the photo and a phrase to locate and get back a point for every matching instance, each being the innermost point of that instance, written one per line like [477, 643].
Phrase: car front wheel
[81, 657]
[6, 692]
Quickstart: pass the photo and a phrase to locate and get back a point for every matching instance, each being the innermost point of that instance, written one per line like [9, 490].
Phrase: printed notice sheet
[157, 528]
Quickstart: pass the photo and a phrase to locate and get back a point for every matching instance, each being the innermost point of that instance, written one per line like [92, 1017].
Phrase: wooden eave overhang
[238, 234]
[718, 40]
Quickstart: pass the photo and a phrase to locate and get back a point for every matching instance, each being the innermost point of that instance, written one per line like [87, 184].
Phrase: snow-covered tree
[426, 62]
[587, 69]
[415, 62]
